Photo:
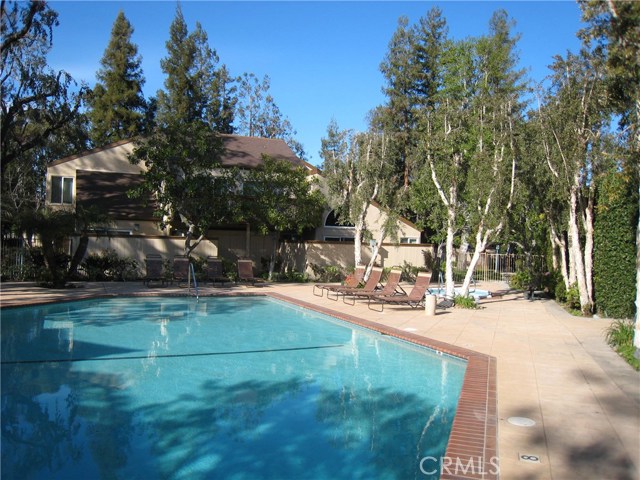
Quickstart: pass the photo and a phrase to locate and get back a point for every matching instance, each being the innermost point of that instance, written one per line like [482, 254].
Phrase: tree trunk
[78, 255]
[374, 253]
[576, 250]
[274, 252]
[555, 264]
[58, 274]
[588, 248]
[357, 244]
[481, 245]
[561, 244]
[448, 274]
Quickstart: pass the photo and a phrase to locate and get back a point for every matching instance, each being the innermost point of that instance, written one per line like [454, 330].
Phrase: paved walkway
[553, 368]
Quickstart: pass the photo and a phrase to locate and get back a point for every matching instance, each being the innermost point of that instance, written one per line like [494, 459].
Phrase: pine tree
[397, 116]
[182, 100]
[118, 107]
[184, 146]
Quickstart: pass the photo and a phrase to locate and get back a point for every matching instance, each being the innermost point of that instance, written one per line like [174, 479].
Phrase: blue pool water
[229, 388]
[476, 293]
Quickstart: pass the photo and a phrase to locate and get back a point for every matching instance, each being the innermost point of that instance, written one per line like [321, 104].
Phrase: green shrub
[573, 297]
[22, 264]
[328, 274]
[521, 280]
[619, 335]
[230, 269]
[614, 256]
[292, 276]
[560, 292]
[465, 302]
[107, 265]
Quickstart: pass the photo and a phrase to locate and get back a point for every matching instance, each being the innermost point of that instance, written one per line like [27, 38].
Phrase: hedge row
[614, 262]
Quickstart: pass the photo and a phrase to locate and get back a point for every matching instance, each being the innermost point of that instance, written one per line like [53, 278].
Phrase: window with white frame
[408, 240]
[61, 190]
[339, 239]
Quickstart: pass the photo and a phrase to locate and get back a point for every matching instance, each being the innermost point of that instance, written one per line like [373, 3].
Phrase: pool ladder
[192, 275]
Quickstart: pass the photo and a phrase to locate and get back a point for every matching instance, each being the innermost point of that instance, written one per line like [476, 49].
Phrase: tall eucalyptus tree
[357, 174]
[573, 117]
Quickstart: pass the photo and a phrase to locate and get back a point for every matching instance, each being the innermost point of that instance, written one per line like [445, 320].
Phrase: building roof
[246, 152]
[239, 151]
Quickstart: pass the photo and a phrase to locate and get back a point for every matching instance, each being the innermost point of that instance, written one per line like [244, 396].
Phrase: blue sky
[323, 58]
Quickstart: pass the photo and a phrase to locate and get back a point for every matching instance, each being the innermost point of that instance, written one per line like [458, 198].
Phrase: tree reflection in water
[341, 406]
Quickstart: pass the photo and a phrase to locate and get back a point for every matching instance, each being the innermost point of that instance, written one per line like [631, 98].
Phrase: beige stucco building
[103, 176]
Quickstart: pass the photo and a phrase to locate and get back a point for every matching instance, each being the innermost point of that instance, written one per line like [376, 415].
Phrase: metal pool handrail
[192, 274]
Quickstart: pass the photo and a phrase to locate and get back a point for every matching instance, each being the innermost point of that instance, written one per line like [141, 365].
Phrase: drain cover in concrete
[529, 457]
[521, 421]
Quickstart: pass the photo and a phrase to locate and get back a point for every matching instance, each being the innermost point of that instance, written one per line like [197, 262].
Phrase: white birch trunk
[559, 242]
[448, 274]
[554, 252]
[481, 244]
[374, 252]
[588, 249]
[572, 260]
[574, 236]
[464, 247]
[357, 243]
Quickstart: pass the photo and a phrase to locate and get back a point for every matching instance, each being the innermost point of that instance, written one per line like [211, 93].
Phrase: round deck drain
[521, 421]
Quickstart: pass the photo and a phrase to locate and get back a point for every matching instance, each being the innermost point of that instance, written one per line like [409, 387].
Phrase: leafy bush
[230, 269]
[108, 265]
[521, 280]
[328, 274]
[410, 272]
[293, 276]
[619, 335]
[560, 292]
[551, 282]
[465, 302]
[22, 264]
[573, 297]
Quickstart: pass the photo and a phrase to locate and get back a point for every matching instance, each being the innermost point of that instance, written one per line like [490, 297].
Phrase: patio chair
[352, 280]
[180, 268]
[391, 287]
[214, 271]
[245, 272]
[414, 299]
[373, 282]
[153, 264]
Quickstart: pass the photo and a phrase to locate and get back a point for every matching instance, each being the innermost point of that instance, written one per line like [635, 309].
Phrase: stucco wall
[301, 256]
[298, 256]
[138, 247]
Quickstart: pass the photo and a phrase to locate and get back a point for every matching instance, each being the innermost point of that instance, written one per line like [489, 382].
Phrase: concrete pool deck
[552, 368]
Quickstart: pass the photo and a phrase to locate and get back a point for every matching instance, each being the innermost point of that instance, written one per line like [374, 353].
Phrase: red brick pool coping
[472, 451]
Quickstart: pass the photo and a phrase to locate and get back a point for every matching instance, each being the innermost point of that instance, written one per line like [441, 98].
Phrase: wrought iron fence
[499, 266]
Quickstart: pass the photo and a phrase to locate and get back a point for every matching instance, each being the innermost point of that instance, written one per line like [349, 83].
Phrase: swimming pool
[223, 388]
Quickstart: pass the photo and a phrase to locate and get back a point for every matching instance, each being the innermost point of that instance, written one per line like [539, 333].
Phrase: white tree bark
[450, 202]
[574, 240]
[588, 246]
[559, 242]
